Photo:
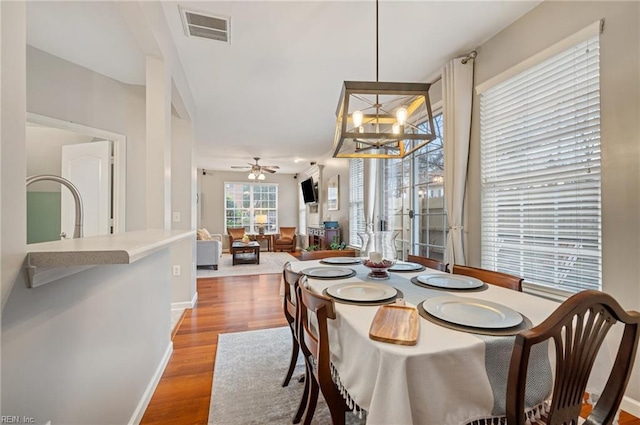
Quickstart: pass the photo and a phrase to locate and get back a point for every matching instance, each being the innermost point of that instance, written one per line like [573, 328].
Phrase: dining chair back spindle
[314, 342]
[491, 277]
[319, 255]
[578, 327]
[428, 262]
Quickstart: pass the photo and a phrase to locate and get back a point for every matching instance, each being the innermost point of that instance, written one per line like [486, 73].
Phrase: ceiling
[273, 92]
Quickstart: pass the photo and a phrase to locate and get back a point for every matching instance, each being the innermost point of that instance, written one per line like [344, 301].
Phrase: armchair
[285, 239]
[235, 234]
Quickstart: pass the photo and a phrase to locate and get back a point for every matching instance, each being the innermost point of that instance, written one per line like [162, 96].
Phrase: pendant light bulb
[401, 115]
[357, 118]
[396, 128]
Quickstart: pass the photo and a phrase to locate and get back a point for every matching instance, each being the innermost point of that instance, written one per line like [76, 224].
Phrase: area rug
[247, 379]
[270, 262]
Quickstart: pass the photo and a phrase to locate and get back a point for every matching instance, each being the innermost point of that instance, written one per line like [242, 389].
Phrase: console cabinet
[322, 237]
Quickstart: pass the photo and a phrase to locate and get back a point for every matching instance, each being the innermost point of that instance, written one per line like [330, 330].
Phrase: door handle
[411, 214]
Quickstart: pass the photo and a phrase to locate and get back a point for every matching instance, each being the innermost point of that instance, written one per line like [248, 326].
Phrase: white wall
[59, 89]
[545, 25]
[82, 350]
[337, 167]
[183, 187]
[12, 183]
[212, 197]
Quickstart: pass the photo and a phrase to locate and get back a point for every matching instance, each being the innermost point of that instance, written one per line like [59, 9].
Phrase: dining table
[452, 375]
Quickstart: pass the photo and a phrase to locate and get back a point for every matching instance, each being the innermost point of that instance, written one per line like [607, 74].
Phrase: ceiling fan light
[261, 176]
[252, 176]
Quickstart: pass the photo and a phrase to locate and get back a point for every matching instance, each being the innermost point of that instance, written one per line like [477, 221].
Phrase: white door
[88, 167]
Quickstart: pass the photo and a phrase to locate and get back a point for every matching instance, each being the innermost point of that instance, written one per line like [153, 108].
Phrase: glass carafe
[378, 252]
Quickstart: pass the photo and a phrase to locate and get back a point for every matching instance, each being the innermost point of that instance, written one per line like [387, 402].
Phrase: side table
[264, 237]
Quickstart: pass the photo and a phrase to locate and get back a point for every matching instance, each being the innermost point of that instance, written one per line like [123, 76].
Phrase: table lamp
[261, 219]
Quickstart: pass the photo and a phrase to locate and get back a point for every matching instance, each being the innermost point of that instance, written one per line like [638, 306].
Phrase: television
[309, 191]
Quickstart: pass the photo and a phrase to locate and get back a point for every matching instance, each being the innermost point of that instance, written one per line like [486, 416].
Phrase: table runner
[448, 378]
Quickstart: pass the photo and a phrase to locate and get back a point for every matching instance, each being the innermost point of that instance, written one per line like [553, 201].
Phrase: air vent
[199, 24]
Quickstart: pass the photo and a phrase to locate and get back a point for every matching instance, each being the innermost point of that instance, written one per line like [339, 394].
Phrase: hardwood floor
[228, 304]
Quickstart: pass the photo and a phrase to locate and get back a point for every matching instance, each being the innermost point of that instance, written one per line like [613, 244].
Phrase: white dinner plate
[341, 260]
[328, 272]
[450, 281]
[362, 291]
[472, 312]
[406, 267]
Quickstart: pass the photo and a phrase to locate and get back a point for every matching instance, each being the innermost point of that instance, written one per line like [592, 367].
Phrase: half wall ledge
[50, 261]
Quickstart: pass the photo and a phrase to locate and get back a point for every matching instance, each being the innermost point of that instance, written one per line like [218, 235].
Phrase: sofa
[208, 250]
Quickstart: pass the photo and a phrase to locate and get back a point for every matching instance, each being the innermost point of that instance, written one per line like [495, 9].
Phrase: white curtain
[457, 89]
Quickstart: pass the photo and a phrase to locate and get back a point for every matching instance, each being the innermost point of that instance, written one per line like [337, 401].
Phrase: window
[540, 159]
[413, 198]
[356, 201]
[244, 201]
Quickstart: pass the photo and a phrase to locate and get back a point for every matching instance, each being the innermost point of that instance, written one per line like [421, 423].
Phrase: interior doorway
[69, 150]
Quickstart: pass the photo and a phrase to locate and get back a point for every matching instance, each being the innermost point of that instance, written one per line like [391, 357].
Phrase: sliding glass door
[414, 199]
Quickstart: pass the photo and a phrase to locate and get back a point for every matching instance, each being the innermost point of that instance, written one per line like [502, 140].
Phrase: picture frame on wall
[333, 185]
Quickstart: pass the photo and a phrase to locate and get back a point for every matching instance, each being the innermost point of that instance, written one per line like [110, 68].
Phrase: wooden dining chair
[489, 276]
[428, 262]
[290, 309]
[314, 343]
[290, 279]
[319, 255]
[578, 328]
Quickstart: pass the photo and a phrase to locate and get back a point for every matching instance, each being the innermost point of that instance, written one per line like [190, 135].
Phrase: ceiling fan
[257, 169]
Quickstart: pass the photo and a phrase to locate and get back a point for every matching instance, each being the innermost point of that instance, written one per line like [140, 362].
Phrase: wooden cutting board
[395, 324]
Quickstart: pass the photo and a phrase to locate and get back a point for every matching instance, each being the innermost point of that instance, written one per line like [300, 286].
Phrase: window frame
[551, 258]
[248, 213]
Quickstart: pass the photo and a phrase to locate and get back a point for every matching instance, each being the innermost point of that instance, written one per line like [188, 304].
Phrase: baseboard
[185, 304]
[151, 388]
[630, 406]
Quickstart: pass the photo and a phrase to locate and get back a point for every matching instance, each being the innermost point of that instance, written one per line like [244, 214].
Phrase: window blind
[540, 161]
[356, 201]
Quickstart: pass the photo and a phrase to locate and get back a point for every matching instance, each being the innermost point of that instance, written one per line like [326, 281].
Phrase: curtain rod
[470, 56]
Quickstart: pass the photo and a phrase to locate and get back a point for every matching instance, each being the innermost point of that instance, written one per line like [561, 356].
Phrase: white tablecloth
[442, 380]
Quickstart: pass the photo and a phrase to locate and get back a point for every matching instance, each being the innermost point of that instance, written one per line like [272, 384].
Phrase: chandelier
[382, 119]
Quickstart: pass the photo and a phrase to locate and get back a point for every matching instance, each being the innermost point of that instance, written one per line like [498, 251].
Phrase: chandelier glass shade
[253, 175]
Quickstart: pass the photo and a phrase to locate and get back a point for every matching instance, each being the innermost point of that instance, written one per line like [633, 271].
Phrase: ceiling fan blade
[268, 170]
[244, 167]
[275, 167]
